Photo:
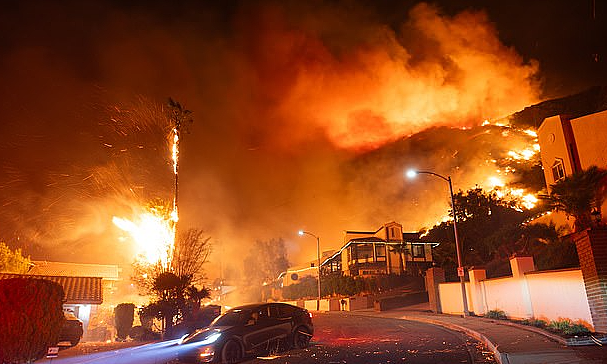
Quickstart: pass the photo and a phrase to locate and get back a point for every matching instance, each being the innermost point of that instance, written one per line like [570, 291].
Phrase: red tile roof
[105, 271]
[86, 290]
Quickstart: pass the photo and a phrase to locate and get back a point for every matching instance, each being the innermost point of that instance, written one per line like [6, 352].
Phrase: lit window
[418, 251]
[558, 170]
[380, 253]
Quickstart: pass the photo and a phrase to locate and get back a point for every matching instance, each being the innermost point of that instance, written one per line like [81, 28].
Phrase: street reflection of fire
[153, 235]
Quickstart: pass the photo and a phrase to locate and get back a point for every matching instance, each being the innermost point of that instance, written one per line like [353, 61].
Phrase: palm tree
[400, 249]
[580, 195]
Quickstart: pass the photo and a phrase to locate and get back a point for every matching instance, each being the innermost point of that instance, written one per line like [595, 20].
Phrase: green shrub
[30, 318]
[123, 318]
[567, 327]
[534, 322]
[496, 314]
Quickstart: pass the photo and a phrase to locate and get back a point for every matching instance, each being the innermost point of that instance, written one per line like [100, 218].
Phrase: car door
[259, 330]
[283, 321]
[268, 329]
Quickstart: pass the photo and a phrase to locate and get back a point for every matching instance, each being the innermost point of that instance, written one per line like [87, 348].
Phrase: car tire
[231, 352]
[301, 337]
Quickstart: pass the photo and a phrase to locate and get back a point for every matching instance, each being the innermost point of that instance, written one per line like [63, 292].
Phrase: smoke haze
[305, 116]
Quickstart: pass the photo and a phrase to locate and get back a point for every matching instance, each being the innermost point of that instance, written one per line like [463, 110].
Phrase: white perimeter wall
[451, 297]
[559, 294]
[550, 295]
[504, 294]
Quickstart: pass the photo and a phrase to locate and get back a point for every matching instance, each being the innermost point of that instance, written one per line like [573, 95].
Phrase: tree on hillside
[490, 232]
[13, 261]
[480, 215]
[580, 194]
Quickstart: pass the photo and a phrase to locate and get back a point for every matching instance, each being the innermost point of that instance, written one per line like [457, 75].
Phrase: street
[348, 338]
[339, 337]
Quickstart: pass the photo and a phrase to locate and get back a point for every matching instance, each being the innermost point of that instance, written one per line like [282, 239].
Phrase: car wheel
[231, 352]
[301, 338]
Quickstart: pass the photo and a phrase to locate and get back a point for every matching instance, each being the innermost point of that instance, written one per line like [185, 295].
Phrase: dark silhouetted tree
[579, 194]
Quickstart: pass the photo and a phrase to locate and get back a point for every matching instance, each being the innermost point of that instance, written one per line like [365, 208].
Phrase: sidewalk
[511, 343]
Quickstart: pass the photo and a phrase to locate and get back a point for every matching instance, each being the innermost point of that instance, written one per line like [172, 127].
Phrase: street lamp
[301, 233]
[460, 269]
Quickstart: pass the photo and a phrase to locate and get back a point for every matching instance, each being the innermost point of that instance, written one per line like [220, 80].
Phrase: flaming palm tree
[581, 195]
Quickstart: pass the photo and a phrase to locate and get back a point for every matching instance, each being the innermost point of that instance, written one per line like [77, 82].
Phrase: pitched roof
[45, 268]
[85, 290]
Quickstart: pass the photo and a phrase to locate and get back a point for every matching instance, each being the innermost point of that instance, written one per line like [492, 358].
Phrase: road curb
[501, 358]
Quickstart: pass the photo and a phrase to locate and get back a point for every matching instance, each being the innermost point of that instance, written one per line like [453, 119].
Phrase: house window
[364, 253]
[418, 251]
[558, 170]
[335, 265]
[380, 253]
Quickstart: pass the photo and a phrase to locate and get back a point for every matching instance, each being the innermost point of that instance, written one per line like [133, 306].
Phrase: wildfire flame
[175, 149]
[175, 155]
[154, 236]
[498, 183]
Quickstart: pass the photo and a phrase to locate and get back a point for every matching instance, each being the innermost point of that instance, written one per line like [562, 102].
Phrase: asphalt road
[346, 338]
[339, 338]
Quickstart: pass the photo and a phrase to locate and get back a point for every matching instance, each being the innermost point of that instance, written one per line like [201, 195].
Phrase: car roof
[254, 306]
[250, 306]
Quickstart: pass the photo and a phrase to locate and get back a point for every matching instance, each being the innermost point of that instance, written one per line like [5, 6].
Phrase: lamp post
[460, 268]
[301, 233]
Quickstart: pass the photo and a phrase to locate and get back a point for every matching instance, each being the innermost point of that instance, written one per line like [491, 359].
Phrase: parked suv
[246, 330]
[71, 330]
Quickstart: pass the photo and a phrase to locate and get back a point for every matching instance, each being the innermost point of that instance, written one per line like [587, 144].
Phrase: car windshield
[233, 317]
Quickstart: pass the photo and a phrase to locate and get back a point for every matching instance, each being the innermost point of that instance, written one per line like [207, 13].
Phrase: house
[387, 250]
[109, 273]
[89, 310]
[570, 145]
[295, 274]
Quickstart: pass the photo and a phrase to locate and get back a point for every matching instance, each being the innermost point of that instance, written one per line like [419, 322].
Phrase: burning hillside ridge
[497, 158]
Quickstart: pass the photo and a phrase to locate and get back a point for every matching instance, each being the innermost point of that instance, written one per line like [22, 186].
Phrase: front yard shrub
[496, 314]
[567, 327]
[31, 316]
[124, 314]
[534, 322]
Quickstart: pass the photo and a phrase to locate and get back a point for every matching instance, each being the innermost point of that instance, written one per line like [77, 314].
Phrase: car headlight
[211, 339]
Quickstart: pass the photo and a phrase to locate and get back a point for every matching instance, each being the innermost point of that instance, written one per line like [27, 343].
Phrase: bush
[123, 318]
[534, 322]
[30, 318]
[567, 327]
[496, 314]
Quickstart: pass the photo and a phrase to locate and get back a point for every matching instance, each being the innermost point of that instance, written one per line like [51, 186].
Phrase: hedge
[30, 319]
[123, 318]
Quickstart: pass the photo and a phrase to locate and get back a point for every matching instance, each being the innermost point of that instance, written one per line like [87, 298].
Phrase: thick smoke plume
[300, 112]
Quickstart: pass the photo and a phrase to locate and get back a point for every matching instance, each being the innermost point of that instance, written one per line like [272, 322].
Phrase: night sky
[288, 97]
